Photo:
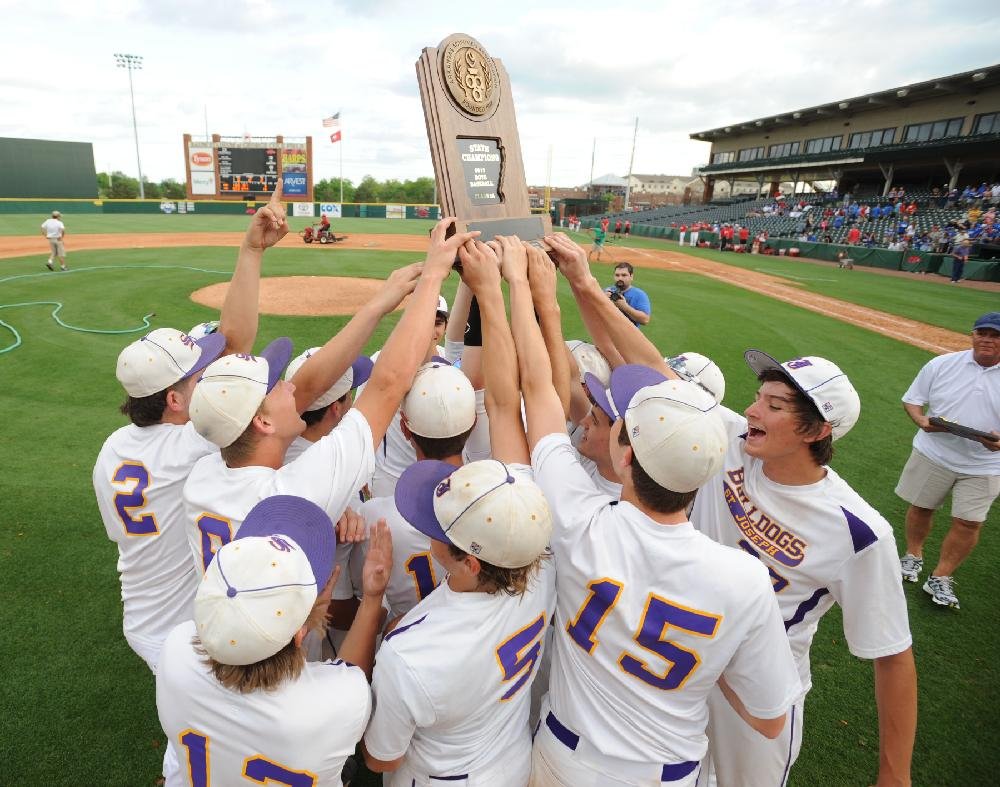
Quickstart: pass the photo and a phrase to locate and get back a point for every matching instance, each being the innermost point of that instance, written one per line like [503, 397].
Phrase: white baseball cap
[260, 588]
[822, 381]
[442, 304]
[357, 374]
[163, 357]
[483, 508]
[700, 369]
[441, 402]
[589, 359]
[232, 388]
[674, 426]
[203, 329]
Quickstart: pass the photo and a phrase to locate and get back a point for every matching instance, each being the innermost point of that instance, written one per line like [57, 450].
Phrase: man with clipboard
[955, 400]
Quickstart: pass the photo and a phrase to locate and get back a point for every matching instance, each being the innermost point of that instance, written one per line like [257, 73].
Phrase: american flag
[332, 122]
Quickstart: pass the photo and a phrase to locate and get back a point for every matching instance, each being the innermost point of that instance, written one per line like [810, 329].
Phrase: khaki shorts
[926, 484]
[57, 247]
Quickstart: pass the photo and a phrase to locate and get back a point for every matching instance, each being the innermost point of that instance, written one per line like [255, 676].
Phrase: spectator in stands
[853, 236]
[631, 301]
[838, 221]
[952, 198]
[828, 238]
[911, 209]
[995, 194]
[869, 240]
[937, 239]
[960, 255]
[973, 214]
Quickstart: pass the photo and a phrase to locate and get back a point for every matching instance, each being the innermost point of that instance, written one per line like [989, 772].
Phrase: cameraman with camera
[633, 302]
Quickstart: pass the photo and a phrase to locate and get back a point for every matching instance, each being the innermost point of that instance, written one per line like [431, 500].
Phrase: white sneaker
[910, 567]
[49, 265]
[942, 590]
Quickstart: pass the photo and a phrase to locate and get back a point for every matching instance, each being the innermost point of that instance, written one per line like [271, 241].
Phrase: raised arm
[240, 310]
[324, 368]
[405, 349]
[542, 279]
[480, 270]
[544, 410]
[632, 345]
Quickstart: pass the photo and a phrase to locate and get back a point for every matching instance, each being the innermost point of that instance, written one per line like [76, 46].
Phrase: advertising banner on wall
[203, 183]
[201, 158]
[303, 208]
[330, 209]
[395, 211]
[293, 183]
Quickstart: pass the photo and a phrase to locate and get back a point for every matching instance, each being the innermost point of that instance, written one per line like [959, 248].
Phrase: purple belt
[671, 771]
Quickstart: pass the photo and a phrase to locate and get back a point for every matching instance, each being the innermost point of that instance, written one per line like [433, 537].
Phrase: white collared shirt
[957, 388]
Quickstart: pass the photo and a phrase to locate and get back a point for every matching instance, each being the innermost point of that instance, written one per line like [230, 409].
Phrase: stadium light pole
[133, 63]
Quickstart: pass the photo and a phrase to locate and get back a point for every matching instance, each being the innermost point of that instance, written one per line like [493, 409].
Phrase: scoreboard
[247, 170]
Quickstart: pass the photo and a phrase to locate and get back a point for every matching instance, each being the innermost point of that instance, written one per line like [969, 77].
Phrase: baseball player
[700, 369]
[452, 681]
[234, 693]
[650, 614]
[54, 231]
[588, 424]
[243, 406]
[323, 414]
[438, 414]
[141, 468]
[776, 498]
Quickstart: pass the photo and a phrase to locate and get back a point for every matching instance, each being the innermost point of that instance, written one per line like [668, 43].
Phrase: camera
[615, 295]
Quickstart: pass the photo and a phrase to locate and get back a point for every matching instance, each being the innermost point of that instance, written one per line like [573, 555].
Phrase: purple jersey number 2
[142, 524]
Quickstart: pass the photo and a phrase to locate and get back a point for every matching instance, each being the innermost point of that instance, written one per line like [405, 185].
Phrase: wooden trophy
[475, 148]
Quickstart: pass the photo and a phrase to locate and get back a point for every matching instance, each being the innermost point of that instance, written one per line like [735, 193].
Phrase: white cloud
[577, 73]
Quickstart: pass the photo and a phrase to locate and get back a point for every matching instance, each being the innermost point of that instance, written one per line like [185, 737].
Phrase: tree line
[118, 185]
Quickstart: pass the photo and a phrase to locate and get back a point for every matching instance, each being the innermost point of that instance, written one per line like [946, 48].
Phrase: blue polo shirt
[638, 300]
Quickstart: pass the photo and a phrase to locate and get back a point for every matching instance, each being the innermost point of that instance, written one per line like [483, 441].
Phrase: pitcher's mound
[307, 296]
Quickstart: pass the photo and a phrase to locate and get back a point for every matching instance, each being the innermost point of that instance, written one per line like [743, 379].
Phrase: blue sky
[578, 71]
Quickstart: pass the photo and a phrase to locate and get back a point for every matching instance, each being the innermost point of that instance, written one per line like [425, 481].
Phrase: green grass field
[125, 223]
[79, 705]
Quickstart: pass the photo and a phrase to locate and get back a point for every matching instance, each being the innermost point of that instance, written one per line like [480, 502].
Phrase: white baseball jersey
[301, 733]
[330, 473]
[648, 617]
[611, 488]
[452, 686]
[820, 542]
[414, 572]
[959, 389]
[138, 479]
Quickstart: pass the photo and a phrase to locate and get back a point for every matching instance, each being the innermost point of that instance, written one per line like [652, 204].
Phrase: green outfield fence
[358, 210]
[911, 261]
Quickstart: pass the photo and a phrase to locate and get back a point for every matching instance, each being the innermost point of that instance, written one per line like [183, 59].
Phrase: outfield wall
[361, 210]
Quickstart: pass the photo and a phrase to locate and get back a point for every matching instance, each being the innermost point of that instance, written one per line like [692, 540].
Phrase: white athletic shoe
[910, 567]
[49, 265]
[63, 267]
[942, 590]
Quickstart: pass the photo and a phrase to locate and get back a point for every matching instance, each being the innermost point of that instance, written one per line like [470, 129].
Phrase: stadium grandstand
[925, 154]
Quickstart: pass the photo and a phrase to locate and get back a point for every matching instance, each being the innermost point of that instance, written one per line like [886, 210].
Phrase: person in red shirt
[744, 237]
[628, 228]
[604, 224]
[618, 228]
[683, 231]
[853, 236]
